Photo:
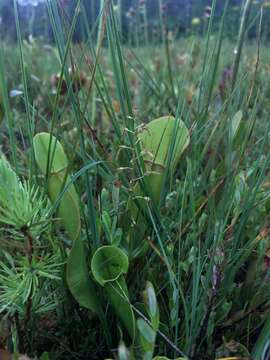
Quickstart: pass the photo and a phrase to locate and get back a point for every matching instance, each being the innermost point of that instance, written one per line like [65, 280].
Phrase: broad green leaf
[156, 139]
[160, 139]
[79, 282]
[69, 210]
[147, 336]
[58, 158]
[146, 332]
[123, 353]
[8, 181]
[108, 266]
[118, 296]
[152, 305]
[163, 141]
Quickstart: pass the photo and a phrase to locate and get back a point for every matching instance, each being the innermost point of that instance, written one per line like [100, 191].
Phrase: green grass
[197, 250]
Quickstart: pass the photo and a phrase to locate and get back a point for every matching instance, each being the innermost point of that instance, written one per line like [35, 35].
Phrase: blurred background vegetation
[204, 244]
[183, 17]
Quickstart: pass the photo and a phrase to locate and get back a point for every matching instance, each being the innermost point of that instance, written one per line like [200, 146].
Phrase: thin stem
[29, 244]
[241, 39]
[29, 253]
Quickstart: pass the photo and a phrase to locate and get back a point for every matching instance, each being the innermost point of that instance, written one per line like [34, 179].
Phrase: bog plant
[52, 160]
[162, 143]
[132, 238]
[109, 263]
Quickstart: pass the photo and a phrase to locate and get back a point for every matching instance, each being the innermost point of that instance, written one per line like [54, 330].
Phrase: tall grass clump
[134, 192]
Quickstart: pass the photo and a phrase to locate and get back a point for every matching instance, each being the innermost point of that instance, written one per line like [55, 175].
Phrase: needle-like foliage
[22, 205]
